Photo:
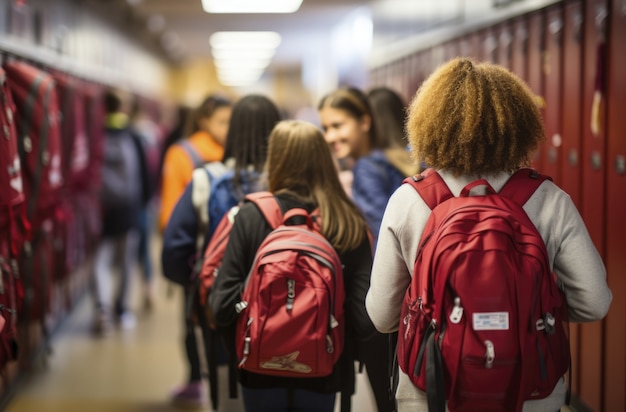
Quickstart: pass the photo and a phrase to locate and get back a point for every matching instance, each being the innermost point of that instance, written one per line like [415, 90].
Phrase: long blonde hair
[299, 162]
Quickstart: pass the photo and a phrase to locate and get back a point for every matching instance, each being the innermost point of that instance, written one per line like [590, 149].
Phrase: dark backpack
[483, 323]
[120, 171]
[291, 320]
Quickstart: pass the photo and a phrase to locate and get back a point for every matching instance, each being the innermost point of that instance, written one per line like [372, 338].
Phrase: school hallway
[128, 370]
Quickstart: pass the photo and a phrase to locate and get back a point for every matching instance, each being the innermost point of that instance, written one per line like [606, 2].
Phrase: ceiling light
[251, 6]
[243, 54]
[241, 57]
[244, 39]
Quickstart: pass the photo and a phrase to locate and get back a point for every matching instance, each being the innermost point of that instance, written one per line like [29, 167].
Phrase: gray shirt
[573, 256]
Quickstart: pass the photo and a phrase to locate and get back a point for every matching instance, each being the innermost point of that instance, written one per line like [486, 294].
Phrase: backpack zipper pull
[246, 351]
[330, 348]
[457, 311]
[490, 354]
[291, 293]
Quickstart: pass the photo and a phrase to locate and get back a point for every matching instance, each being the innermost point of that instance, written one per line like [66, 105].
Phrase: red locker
[451, 49]
[593, 165]
[571, 170]
[615, 332]
[534, 74]
[552, 77]
[504, 39]
[519, 48]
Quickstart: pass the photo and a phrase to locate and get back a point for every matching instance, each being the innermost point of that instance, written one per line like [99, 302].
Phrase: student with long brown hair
[301, 174]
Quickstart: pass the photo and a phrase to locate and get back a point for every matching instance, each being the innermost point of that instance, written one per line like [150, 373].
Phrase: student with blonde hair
[301, 174]
[471, 121]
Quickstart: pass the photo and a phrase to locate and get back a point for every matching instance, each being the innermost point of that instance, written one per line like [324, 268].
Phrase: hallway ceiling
[186, 27]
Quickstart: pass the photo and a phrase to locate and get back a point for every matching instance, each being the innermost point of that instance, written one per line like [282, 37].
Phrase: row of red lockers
[50, 158]
[572, 55]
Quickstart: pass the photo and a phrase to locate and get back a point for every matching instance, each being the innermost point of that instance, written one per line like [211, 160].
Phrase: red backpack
[483, 322]
[291, 320]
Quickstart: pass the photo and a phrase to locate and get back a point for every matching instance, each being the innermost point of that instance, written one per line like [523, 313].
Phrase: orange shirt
[178, 168]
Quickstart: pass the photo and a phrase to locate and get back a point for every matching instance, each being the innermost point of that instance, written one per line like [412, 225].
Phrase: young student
[380, 165]
[300, 173]
[252, 120]
[471, 121]
[124, 193]
[206, 135]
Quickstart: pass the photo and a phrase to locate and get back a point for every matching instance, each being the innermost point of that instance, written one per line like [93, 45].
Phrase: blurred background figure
[124, 193]
[203, 141]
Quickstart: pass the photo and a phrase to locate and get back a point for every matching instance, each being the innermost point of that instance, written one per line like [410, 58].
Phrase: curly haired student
[470, 121]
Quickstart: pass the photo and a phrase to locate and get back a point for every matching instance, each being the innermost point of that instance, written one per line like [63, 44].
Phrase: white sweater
[572, 254]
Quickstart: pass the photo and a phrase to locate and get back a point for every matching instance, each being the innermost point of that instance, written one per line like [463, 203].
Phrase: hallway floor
[126, 371]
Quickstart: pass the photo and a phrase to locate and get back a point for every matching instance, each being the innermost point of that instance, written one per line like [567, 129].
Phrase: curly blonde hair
[474, 119]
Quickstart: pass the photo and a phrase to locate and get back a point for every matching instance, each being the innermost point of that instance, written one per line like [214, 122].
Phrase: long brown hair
[299, 162]
[474, 119]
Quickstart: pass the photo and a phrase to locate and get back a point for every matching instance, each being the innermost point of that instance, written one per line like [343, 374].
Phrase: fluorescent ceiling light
[251, 6]
[236, 64]
[244, 39]
[243, 54]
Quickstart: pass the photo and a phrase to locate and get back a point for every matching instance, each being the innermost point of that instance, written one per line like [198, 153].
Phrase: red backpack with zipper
[483, 324]
[291, 319]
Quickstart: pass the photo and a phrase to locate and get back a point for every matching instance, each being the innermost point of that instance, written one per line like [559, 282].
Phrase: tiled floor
[128, 371]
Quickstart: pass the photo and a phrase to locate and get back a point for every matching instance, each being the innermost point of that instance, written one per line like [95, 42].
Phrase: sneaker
[126, 320]
[190, 396]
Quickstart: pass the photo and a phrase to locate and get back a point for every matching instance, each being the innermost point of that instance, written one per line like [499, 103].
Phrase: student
[150, 134]
[252, 120]
[206, 130]
[468, 121]
[380, 165]
[300, 173]
[123, 194]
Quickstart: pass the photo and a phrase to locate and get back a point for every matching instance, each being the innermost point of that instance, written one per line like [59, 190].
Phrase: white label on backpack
[491, 321]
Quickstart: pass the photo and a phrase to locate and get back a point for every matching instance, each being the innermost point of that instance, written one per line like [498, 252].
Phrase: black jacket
[249, 230]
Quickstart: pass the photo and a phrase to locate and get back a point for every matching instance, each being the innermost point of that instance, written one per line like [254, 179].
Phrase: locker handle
[601, 17]
[578, 24]
[596, 161]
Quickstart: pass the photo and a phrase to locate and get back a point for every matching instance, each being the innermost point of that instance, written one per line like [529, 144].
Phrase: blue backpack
[214, 194]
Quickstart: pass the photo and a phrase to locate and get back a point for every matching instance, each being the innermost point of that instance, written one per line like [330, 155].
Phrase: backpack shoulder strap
[193, 154]
[202, 178]
[268, 205]
[430, 187]
[522, 184]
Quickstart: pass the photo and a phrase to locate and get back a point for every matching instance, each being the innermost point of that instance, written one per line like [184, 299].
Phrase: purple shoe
[190, 396]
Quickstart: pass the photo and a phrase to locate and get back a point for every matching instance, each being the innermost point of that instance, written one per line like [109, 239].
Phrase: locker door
[490, 44]
[505, 44]
[451, 49]
[593, 198]
[615, 332]
[552, 93]
[414, 76]
[470, 46]
[519, 48]
[571, 171]
[534, 71]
